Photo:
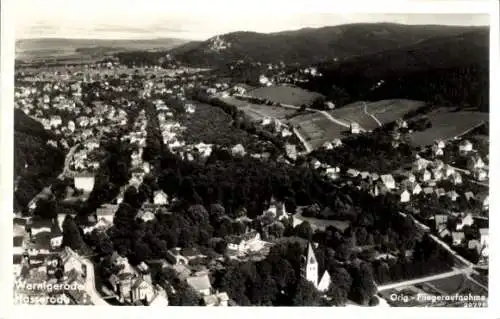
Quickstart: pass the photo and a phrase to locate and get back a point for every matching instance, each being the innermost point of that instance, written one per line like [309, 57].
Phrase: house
[316, 164]
[440, 221]
[457, 238]
[337, 142]
[354, 128]
[201, 284]
[353, 172]
[456, 178]
[475, 162]
[238, 150]
[437, 174]
[374, 177]
[440, 144]
[440, 192]
[481, 174]
[247, 242]
[420, 164]
[426, 176]
[416, 189]
[444, 232]
[310, 271]
[175, 257]
[474, 244]
[141, 290]
[56, 242]
[449, 170]
[160, 198]
[216, 300]
[145, 215]
[364, 175]
[291, 151]
[85, 182]
[106, 212]
[405, 196]
[411, 177]
[388, 181]
[437, 151]
[453, 195]
[467, 220]
[484, 200]
[465, 146]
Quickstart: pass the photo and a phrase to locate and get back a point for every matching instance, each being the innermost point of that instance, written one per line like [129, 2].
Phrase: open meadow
[285, 95]
[317, 129]
[384, 111]
[447, 124]
[258, 112]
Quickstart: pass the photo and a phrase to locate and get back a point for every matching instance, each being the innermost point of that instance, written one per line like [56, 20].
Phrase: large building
[310, 271]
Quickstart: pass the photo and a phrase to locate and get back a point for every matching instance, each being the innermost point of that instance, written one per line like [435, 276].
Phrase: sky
[192, 19]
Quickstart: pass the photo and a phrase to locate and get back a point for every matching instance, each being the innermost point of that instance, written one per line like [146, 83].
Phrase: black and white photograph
[238, 158]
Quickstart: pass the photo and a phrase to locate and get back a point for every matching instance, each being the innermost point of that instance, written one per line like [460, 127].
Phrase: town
[144, 180]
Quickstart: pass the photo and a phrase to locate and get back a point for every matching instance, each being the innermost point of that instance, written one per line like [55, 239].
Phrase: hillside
[308, 45]
[35, 162]
[28, 49]
[446, 70]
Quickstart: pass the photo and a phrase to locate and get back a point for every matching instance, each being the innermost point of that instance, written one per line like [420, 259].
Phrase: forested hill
[35, 162]
[310, 45]
[450, 71]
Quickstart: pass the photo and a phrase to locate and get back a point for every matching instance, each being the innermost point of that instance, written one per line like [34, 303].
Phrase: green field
[285, 94]
[447, 124]
[258, 112]
[384, 111]
[317, 129]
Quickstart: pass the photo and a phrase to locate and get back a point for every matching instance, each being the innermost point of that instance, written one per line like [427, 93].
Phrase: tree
[304, 230]
[71, 234]
[306, 294]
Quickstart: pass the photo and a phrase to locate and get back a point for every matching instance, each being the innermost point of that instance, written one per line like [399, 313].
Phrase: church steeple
[311, 266]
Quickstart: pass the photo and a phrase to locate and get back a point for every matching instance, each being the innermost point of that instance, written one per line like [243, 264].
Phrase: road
[411, 282]
[67, 160]
[90, 287]
[365, 110]
[306, 144]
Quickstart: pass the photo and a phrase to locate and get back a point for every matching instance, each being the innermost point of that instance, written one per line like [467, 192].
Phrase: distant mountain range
[310, 45]
[27, 49]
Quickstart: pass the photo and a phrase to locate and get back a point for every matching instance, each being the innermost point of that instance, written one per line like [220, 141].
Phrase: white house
[481, 175]
[457, 237]
[453, 195]
[456, 178]
[448, 170]
[475, 162]
[416, 189]
[56, 242]
[388, 181]
[160, 198]
[405, 196]
[437, 151]
[467, 220]
[145, 215]
[84, 182]
[465, 146]
[426, 176]
[354, 128]
[420, 164]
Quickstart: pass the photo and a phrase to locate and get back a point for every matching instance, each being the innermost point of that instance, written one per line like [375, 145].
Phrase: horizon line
[97, 37]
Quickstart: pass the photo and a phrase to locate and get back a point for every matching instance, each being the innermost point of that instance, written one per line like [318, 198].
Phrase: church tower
[311, 266]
